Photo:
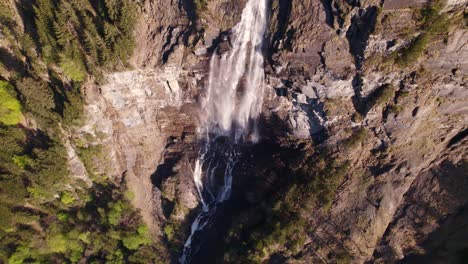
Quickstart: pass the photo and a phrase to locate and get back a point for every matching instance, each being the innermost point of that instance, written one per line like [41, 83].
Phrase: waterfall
[224, 110]
[230, 109]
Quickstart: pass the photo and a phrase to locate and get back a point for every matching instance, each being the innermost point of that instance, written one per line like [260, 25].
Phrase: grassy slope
[10, 108]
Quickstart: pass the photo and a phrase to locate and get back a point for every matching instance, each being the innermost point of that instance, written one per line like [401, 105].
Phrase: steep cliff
[362, 157]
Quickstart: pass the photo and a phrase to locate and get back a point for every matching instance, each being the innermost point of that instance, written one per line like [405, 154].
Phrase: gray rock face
[447, 57]
[328, 73]
[132, 117]
[161, 28]
[400, 4]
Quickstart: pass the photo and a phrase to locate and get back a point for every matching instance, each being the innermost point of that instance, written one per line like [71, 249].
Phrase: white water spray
[226, 109]
[230, 110]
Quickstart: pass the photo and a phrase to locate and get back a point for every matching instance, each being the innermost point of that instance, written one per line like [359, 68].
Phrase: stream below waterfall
[230, 110]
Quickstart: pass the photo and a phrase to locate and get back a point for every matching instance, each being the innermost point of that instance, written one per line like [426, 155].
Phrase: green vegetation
[23, 161]
[39, 99]
[47, 216]
[200, 5]
[432, 24]
[88, 154]
[380, 96]
[134, 241]
[67, 198]
[169, 231]
[283, 226]
[176, 231]
[74, 70]
[10, 108]
[81, 232]
[82, 35]
[394, 109]
[357, 137]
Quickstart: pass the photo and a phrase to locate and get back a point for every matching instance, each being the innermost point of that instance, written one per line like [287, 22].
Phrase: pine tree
[45, 17]
[38, 98]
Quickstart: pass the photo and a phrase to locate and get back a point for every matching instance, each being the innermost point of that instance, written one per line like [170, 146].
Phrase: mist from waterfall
[229, 113]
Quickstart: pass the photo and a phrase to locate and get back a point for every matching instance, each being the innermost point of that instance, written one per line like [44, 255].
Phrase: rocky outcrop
[131, 119]
[436, 198]
[162, 29]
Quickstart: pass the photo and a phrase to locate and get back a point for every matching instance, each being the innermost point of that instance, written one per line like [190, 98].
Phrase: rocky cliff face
[377, 85]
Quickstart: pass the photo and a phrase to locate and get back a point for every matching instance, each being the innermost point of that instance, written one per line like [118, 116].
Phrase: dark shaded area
[216, 42]
[415, 111]
[26, 9]
[36, 139]
[353, 3]
[330, 19]
[380, 95]
[190, 9]
[277, 258]
[60, 90]
[168, 46]
[258, 175]
[183, 37]
[208, 245]
[318, 130]
[11, 62]
[357, 97]
[379, 170]
[258, 171]
[284, 13]
[281, 92]
[166, 169]
[458, 137]
[362, 25]
[448, 244]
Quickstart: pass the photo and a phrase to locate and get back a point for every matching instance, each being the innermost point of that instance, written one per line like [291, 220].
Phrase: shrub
[169, 231]
[433, 23]
[57, 243]
[23, 161]
[62, 217]
[73, 69]
[6, 218]
[133, 242]
[21, 254]
[67, 198]
[380, 96]
[85, 237]
[200, 5]
[115, 213]
[356, 138]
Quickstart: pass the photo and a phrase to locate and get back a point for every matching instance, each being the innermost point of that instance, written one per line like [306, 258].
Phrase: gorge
[227, 120]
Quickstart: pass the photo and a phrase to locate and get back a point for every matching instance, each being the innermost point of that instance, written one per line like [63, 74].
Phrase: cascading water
[230, 110]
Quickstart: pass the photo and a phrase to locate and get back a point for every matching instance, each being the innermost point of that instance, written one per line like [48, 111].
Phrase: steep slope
[359, 113]
[362, 157]
[53, 209]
